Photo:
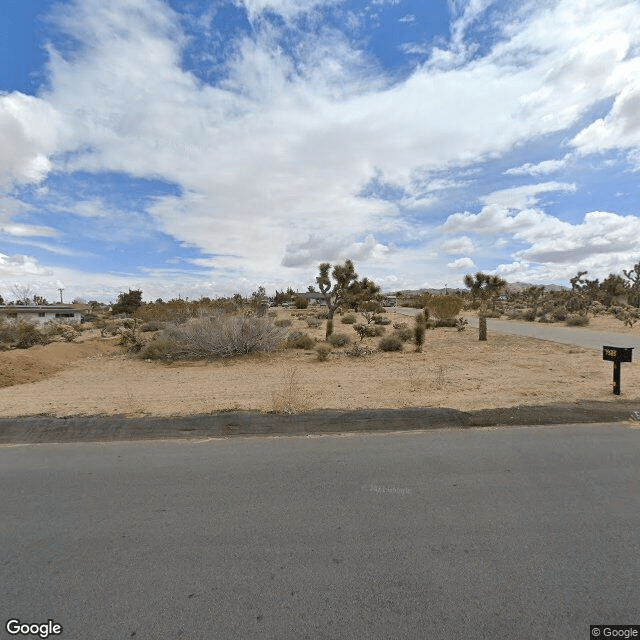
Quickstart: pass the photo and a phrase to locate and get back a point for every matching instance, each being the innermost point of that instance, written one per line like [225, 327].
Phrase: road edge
[105, 428]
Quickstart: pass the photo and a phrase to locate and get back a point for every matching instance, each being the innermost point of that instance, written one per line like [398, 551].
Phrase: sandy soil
[454, 370]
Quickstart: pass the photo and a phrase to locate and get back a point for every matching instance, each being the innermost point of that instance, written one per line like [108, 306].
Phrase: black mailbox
[616, 355]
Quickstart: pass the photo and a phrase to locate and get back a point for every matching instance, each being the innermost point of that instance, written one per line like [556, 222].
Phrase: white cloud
[464, 244]
[620, 128]
[497, 216]
[461, 264]
[29, 131]
[286, 8]
[541, 168]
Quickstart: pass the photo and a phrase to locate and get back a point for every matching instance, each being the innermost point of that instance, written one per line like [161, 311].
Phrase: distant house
[314, 297]
[390, 301]
[42, 313]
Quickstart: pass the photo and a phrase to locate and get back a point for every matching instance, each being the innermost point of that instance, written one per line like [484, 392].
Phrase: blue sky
[205, 147]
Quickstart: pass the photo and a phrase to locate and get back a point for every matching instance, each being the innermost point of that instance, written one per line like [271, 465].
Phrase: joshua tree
[633, 275]
[347, 290]
[344, 276]
[483, 287]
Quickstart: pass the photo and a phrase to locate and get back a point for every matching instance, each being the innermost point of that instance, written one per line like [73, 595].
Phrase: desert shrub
[322, 315]
[559, 314]
[446, 322]
[285, 322]
[419, 330]
[529, 315]
[515, 314]
[26, 335]
[348, 319]
[390, 343]
[222, 336]
[461, 324]
[272, 314]
[152, 325]
[323, 352]
[381, 320]
[445, 306]
[339, 340]
[301, 302]
[577, 320]
[404, 333]
[299, 340]
[313, 323]
[493, 313]
[368, 330]
[61, 331]
[159, 349]
[357, 351]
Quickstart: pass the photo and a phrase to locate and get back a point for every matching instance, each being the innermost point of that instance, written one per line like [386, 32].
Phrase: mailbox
[616, 355]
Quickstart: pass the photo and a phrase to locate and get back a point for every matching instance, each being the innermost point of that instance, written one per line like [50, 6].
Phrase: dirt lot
[455, 370]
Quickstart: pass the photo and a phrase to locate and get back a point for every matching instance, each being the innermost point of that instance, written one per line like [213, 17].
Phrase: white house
[42, 313]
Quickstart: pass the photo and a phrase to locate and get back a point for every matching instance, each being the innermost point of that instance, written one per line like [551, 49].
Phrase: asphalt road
[448, 534]
[578, 336]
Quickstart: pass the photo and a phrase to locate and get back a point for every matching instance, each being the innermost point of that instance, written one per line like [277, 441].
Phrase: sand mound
[22, 366]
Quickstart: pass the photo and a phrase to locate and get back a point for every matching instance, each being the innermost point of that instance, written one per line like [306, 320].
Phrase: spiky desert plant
[419, 331]
[483, 287]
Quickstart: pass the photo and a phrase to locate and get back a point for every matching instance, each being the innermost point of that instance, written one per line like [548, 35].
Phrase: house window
[64, 315]
[42, 314]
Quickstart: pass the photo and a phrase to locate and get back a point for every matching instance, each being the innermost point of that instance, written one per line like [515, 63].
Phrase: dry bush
[299, 340]
[323, 352]
[404, 333]
[313, 323]
[20, 334]
[358, 351]
[445, 306]
[219, 336]
[288, 397]
[56, 330]
[339, 340]
[285, 322]
[348, 319]
[439, 378]
[390, 343]
[577, 320]
[368, 330]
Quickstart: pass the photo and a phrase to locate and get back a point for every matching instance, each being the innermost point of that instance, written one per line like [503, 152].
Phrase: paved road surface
[577, 336]
[486, 533]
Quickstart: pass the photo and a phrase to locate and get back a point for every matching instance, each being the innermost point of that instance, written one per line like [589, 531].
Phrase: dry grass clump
[339, 340]
[288, 397]
[300, 340]
[323, 352]
[216, 336]
[390, 343]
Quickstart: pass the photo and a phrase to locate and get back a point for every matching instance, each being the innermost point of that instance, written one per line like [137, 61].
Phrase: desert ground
[94, 376]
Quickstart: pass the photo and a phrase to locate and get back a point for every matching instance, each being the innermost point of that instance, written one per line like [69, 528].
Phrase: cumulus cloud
[29, 130]
[464, 244]
[602, 242]
[461, 264]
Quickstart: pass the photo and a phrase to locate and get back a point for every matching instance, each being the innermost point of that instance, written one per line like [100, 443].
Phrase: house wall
[40, 316]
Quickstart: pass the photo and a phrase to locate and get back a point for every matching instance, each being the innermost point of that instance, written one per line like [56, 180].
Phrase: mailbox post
[616, 355]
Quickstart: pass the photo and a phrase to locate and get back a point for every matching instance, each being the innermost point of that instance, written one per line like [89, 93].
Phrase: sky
[206, 147]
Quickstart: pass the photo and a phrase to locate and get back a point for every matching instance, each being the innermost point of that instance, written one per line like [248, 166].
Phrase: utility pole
[60, 290]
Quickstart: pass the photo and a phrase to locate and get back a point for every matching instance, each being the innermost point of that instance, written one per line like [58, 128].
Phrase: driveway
[576, 336]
